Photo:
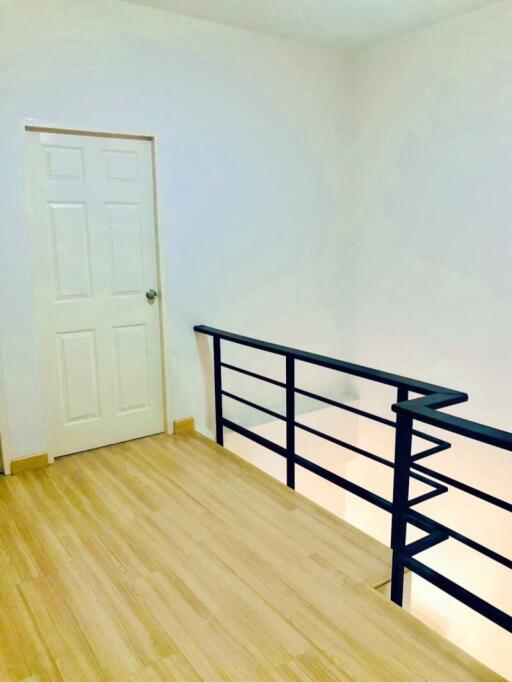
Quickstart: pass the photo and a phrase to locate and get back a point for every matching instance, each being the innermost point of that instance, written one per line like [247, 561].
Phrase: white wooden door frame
[5, 436]
[38, 125]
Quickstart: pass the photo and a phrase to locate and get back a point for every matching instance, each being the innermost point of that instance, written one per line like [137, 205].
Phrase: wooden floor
[167, 558]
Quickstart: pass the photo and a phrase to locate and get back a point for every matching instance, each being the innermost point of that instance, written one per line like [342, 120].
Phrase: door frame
[26, 125]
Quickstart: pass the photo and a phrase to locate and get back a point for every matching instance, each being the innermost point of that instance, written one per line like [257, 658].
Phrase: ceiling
[341, 23]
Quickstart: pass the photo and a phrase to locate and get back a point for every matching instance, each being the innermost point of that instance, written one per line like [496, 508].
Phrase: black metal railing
[405, 465]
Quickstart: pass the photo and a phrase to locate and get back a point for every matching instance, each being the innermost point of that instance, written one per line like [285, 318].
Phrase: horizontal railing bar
[427, 481]
[427, 496]
[324, 361]
[365, 453]
[348, 408]
[344, 483]
[253, 405]
[261, 440]
[430, 540]
[496, 501]
[311, 466]
[370, 415]
[441, 445]
[261, 377]
[272, 446]
[344, 444]
[468, 598]
[431, 451]
[426, 523]
[422, 522]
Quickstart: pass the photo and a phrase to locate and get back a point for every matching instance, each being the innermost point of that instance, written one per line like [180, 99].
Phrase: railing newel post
[217, 373]
[403, 448]
[290, 421]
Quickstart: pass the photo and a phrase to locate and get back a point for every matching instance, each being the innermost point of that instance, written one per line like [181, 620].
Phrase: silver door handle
[151, 294]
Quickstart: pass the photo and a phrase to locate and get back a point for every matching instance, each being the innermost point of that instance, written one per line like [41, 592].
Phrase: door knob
[151, 294]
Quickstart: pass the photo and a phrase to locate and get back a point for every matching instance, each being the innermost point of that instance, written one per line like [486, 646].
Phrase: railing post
[290, 421]
[403, 442]
[217, 375]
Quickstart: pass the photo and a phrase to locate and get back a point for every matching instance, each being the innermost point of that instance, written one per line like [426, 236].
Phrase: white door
[92, 224]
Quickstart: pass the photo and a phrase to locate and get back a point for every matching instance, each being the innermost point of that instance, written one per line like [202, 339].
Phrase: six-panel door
[93, 259]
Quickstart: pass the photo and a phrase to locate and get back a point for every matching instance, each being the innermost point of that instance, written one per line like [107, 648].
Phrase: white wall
[252, 134]
[431, 284]
[432, 240]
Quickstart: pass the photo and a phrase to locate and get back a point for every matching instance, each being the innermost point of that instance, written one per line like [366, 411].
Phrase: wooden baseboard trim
[26, 463]
[186, 425]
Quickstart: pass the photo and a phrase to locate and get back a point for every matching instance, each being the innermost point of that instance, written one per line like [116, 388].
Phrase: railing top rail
[424, 409]
[333, 363]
